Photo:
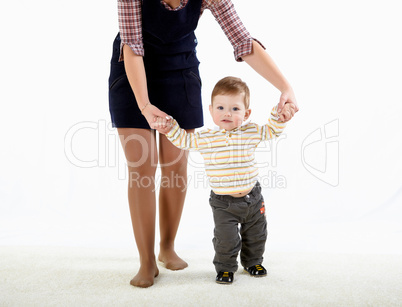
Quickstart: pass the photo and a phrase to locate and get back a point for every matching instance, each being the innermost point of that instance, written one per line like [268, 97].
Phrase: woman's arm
[134, 66]
[251, 51]
[132, 50]
[135, 70]
[263, 64]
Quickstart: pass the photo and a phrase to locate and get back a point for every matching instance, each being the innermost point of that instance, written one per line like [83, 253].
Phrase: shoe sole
[255, 275]
[224, 282]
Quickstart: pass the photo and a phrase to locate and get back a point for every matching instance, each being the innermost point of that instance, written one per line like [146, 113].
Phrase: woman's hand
[288, 96]
[287, 112]
[163, 124]
[151, 113]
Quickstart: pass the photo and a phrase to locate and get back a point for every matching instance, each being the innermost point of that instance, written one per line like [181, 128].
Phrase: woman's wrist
[144, 107]
[285, 87]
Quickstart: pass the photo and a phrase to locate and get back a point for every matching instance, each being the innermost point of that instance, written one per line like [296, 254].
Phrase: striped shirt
[130, 21]
[228, 155]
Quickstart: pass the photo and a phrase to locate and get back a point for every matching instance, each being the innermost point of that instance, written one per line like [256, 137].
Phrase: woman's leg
[139, 146]
[173, 162]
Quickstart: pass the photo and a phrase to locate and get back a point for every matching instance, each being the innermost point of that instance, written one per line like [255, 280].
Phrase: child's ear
[247, 114]
[210, 109]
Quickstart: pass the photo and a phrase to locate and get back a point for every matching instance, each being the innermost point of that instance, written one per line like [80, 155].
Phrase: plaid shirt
[130, 21]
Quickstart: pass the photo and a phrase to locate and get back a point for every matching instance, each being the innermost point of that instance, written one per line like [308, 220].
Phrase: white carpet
[34, 276]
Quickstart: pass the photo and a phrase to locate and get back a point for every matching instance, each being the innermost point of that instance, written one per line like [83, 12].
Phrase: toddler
[228, 154]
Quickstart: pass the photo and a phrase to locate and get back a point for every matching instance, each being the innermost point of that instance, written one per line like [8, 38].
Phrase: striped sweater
[228, 155]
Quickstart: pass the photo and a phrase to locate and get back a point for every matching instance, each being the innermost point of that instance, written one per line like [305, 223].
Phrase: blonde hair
[232, 86]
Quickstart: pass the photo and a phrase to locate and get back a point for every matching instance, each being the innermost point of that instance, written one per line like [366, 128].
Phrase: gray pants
[229, 212]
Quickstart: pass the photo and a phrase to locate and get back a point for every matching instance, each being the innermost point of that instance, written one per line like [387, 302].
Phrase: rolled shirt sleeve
[228, 19]
[130, 26]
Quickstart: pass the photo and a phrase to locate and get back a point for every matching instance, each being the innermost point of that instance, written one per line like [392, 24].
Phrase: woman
[154, 69]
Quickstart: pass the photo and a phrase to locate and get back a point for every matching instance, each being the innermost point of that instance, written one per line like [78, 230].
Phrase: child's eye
[236, 109]
[220, 108]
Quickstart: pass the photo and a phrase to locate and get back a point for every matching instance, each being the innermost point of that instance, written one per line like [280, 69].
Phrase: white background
[343, 60]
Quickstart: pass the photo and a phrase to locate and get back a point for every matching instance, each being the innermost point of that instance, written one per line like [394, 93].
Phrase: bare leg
[173, 189]
[139, 146]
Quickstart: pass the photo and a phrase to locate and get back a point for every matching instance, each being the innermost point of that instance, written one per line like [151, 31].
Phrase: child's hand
[163, 125]
[287, 112]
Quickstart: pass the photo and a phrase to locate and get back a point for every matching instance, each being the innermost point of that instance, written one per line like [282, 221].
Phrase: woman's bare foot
[145, 276]
[171, 261]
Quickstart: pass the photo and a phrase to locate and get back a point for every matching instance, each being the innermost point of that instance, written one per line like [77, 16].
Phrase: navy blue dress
[171, 66]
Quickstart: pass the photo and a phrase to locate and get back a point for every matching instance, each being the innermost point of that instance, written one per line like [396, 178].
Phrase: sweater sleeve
[273, 128]
[181, 138]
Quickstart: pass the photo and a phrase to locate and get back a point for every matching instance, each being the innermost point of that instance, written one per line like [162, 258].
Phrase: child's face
[229, 111]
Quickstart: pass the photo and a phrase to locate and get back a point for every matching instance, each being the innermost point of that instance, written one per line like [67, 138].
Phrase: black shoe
[256, 270]
[224, 278]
